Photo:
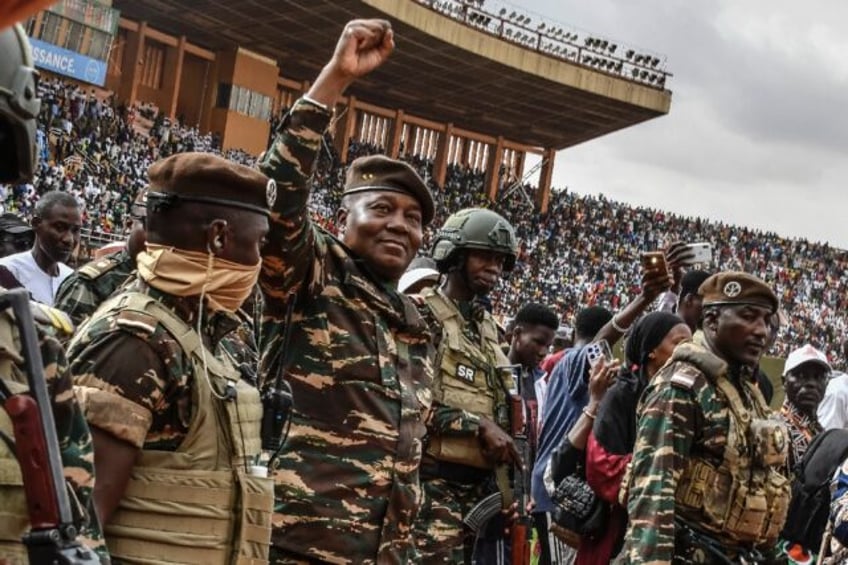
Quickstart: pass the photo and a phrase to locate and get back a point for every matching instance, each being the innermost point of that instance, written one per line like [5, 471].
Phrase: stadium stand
[583, 251]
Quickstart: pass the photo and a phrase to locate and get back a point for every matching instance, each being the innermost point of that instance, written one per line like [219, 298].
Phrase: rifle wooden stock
[31, 451]
[52, 536]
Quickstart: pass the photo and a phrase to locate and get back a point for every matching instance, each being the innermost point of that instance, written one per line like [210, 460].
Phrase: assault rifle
[522, 526]
[486, 509]
[52, 535]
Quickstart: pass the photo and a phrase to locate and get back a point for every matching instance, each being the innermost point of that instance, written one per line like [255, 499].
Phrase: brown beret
[209, 179]
[378, 172]
[733, 287]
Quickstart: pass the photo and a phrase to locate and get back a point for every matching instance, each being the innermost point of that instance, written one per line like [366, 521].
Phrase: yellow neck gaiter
[190, 273]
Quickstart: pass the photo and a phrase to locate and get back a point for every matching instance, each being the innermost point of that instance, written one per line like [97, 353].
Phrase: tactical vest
[745, 498]
[14, 518]
[199, 504]
[471, 376]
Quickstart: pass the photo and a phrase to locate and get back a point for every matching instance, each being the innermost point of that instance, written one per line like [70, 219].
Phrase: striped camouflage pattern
[440, 534]
[360, 367]
[682, 416]
[76, 449]
[80, 294]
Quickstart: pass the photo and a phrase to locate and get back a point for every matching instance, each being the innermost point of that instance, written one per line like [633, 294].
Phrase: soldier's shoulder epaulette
[685, 376]
[95, 269]
[137, 322]
[51, 317]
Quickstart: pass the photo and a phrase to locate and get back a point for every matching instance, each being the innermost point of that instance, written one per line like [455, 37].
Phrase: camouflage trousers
[440, 534]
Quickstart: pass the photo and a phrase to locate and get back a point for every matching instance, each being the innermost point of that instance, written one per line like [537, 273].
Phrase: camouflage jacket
[77, 452]
[683, 416]
[135, 377]
[81, 293]
[360, 366]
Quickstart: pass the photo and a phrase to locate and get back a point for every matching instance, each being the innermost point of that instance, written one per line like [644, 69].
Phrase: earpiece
[218, 244]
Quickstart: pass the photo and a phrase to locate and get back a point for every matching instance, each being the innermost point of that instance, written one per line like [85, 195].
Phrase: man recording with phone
[568, 393]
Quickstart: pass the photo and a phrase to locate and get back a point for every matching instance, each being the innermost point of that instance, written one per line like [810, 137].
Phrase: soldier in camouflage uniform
[175, 428]
[707, 483]
[17, 123]
[81, 293]
[472, 249]
[359, 361]
[85, 290]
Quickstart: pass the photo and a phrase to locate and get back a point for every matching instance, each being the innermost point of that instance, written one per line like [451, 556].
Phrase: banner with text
[68, 63]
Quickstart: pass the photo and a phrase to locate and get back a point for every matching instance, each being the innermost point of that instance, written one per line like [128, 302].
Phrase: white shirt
[40, 285]
[833, 410]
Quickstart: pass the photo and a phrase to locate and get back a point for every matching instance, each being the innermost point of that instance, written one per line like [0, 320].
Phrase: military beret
[733, 287]
[208, 179]
[378, 172]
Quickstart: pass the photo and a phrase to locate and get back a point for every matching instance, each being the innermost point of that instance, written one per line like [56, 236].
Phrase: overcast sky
[758, 128]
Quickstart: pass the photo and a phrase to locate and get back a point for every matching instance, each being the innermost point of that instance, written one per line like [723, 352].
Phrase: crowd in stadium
[584, 251]
[251, 372]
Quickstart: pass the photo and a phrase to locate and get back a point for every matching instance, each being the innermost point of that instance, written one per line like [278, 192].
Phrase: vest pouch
[465, 384]
[770, 442]
[778, 494]
[256, 506]
[174, 516]
[748, 512]
[460, 450]
[705, 489]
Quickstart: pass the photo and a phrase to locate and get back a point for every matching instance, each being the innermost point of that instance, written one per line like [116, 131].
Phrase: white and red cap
[805, 354]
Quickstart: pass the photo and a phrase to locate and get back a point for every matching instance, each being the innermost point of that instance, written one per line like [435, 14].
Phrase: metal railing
[511, 23]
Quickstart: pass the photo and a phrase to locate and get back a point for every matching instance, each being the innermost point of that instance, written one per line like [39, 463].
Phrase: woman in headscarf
[610, 444]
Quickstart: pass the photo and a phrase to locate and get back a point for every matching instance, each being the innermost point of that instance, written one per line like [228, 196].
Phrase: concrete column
[440, 165]
[211, 94]
[493, 168]
[396, 134]
[133, 54]
[172, 76]
[543, 196]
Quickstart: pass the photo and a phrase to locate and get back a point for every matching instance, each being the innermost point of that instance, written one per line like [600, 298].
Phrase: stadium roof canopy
[442, 70]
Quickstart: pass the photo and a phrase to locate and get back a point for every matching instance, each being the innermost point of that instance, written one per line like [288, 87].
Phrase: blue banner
[68, 63]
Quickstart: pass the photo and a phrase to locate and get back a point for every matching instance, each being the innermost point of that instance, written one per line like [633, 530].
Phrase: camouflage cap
[378, 172]
[733, 287]
[208, 179]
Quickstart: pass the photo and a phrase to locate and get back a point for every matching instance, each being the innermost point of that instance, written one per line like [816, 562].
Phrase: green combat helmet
[474, 228]
[19, 106]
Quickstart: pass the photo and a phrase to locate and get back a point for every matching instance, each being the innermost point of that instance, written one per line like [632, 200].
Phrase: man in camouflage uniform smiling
[359, 360]
[706, 483]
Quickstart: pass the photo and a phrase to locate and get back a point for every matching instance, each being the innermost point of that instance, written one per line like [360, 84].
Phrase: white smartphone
[701, 253]
[598, 350]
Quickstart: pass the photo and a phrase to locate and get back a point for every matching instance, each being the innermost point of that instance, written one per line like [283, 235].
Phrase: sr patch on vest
[465, 373]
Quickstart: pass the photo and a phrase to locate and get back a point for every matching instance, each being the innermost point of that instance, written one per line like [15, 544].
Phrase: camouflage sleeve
[289, 161]
[77, 451]
[664, 438]
[839, 505]
[76, 299]
[448, 421]
[125, 387]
